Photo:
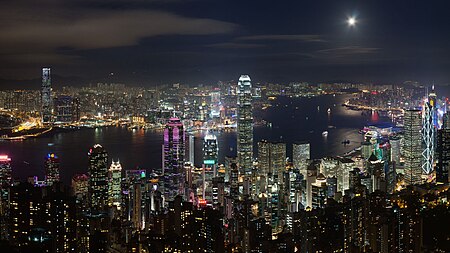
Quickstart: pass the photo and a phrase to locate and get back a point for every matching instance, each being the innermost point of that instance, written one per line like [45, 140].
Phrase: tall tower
[300, 155]
[173, 159]
[5, 185]
[115, 184]
[51, 169]
[429, 132]
[412, 146]
[210, 157]
[46, 96]
[443, 151]
[98, 178]
[245, 125]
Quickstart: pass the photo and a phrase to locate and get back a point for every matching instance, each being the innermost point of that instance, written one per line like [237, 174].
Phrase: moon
[351, 21]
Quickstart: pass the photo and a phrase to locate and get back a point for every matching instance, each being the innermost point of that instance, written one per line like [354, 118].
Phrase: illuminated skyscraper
[395, 149]
[51, 169]
[300, 155]
[429, 132]
[98, 178]
[245, 125]
[173, 160]
[210, 150]
[210, 157]
[46, 96]
[443, 151]
[5, 185]
[412, 146]
[115, 184]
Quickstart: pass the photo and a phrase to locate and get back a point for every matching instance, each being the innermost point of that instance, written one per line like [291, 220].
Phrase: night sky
[149, 42]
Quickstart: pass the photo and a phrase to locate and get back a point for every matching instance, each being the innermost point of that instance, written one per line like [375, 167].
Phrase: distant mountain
[35, 84]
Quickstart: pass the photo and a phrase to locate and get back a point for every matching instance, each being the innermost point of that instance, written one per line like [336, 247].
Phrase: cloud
[54, 31]
[286, 37]
[233, 45]
[346, 51]
[109, 29]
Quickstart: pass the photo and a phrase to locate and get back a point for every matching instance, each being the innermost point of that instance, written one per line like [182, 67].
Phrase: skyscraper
[429, 132]
[245, 125]
[173, 160]
[300, 155]
[443, 151]
[412, 146]
[46, 96]
[115, 184]
[51, 169]
[5, 185]
[210, 157]
[98, 178]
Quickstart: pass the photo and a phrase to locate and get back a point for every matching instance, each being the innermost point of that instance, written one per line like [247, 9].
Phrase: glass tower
[51, 169]
[173, 160]
[98, 178]
[245, 125]
[412, 146]
[46, 96]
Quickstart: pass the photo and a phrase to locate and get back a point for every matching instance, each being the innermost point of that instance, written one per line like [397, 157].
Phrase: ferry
[325, 133]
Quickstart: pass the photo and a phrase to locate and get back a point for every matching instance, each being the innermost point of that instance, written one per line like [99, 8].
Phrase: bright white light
[351, 21]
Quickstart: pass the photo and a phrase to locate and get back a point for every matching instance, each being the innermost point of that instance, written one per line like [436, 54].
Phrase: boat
[329, 110]
[325, 133]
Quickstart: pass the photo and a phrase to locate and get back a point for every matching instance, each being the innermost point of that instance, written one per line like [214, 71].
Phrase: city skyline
[224, 126]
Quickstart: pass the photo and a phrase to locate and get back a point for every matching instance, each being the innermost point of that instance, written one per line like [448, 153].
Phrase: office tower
[245, 125]
[64, 109]
[210, 150]
[272, 159]
[43, 218]
[394, 141]
[134, 198]
[412, 146]
[192, 149]
[46, 96]
[115, 184]
[228, 161]
[210, 156]
[301, 155]
[429, 132]
[443, 152]
[5, 185]
[80, 184]
[366, 149]
[98, 178]
[173, 159]
[319, 193]
[51, 169]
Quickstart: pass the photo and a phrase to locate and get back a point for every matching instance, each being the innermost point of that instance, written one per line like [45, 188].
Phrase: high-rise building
[300, 155]
[115, 184]
[443, 151]
[394, 141]
[272, 159]
[5, 185]
[429, 132]
[245, 125]
[51, 169]
[98, 178]
[412, 146]
[43, 218]
[65, 109]
[46, 96]
[173, 159]
[192, 149]
[210, 157]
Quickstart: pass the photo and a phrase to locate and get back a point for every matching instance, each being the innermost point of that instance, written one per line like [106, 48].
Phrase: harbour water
[293, 119]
